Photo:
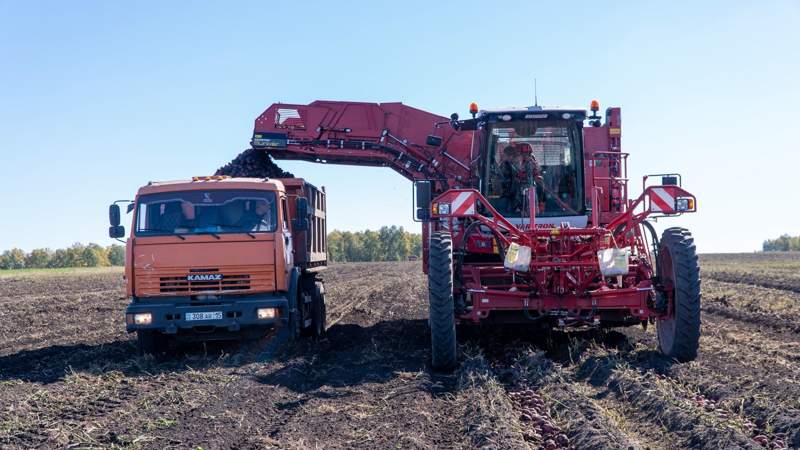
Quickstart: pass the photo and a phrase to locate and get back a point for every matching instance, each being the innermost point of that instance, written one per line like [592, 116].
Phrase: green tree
[75, 255]
[416, 245]
[335, 250]
[12, 259]
[387, 244]
[38, 258]
[351, 243]
[783, 243]
[372, 246]
[116, 254]
[60, 258]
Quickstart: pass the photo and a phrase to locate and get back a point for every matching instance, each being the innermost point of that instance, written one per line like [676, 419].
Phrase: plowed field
[70, 375]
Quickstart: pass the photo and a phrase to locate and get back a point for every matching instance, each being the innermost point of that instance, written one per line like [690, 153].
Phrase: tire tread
[688, 295]
[440, 302]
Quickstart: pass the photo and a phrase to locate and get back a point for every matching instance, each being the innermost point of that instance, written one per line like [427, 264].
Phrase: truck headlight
[684, 204]
[444, 208]
[142, 318]
[266, 313]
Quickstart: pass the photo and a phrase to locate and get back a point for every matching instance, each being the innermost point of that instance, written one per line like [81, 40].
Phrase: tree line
[784, 243]
[387, 244]
[78, 255]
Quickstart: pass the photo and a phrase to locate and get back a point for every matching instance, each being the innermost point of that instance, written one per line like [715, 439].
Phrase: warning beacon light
[595, 119]
[473, 109]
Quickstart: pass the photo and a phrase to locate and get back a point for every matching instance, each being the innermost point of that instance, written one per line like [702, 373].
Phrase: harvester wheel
[440, 297]
[151, 342]
[679, 335]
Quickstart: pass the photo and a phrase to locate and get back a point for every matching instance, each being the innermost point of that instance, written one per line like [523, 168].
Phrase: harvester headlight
[444, 208]
[684, 204]
[266, 313]
[142, 318]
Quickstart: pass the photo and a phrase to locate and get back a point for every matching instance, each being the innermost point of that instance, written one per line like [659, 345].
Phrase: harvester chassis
[563, 286]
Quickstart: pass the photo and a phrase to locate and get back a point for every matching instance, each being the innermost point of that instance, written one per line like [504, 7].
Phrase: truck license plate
[214, 315]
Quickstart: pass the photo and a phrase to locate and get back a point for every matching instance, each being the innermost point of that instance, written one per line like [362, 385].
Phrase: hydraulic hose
[654, 244]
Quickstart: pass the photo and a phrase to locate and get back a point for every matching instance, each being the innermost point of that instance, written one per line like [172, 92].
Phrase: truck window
[206, 211]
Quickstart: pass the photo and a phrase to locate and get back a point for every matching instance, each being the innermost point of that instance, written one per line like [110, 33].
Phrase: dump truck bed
[310, 245]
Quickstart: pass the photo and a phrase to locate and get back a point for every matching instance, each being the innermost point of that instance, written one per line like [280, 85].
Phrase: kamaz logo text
[204, 277]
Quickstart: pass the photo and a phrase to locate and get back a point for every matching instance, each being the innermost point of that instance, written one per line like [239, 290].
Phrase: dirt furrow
[70, 376]
[792, 285]
[733, 381]
[365, 385]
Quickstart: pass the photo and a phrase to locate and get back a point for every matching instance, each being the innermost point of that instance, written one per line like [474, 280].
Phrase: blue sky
[97, 98]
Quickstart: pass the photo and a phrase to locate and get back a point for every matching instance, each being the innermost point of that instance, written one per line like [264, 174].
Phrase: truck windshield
[541, 152]
[207, 211]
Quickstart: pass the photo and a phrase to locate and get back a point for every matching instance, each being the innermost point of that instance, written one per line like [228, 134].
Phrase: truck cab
[218, 258]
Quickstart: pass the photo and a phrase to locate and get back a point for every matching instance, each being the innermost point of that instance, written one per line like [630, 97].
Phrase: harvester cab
[525, 212]
[534, 150]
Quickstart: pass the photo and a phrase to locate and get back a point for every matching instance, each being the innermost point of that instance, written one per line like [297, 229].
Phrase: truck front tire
[151, 342]
[440, 297]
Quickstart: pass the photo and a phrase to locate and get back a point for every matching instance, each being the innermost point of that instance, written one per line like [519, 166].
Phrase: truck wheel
[318, 310]
[151, 342]
[679, 335]
[295, 326]
[441, 315]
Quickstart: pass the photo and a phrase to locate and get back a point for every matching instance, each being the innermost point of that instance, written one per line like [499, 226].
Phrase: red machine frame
[564, 281]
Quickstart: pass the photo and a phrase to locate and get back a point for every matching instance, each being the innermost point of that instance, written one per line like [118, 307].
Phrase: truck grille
[180, 285]
[235, 279]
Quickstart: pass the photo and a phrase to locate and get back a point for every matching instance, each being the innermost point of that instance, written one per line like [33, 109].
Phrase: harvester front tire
[679, 336]
[440, 301]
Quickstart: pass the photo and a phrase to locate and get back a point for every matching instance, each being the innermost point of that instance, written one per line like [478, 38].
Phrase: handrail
[620, 183]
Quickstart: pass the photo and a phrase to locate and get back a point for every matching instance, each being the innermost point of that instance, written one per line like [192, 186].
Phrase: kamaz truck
[216, 257]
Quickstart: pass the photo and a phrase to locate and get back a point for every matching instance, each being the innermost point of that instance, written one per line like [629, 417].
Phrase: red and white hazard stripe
[463, 204]
[661, 200]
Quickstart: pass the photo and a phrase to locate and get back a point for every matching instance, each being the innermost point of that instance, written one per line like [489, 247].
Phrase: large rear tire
[318, 310]
[679, 335]
[440, 299]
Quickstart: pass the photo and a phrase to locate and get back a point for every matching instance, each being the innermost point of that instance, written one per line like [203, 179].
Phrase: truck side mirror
[301, 222]
[116, 231]
[113, 214]
[423, 194]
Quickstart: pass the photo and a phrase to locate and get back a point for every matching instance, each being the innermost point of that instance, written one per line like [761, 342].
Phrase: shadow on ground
[52, 364]
[352, 355]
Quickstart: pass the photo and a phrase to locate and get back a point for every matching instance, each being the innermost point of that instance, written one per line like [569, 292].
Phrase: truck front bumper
[169, 315]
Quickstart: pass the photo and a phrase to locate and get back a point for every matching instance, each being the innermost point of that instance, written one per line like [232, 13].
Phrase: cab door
[288, 245]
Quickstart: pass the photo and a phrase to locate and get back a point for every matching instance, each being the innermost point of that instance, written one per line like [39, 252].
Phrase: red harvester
[525, 214]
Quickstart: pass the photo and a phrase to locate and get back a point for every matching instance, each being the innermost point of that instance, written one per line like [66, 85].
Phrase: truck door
[287, 237]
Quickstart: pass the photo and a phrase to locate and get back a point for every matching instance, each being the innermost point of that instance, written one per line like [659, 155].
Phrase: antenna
[535, 94]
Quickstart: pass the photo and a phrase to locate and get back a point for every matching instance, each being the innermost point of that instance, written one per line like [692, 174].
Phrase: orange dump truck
[220, 258]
